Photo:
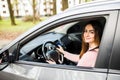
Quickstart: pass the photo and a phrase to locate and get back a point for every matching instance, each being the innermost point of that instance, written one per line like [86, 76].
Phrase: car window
[58, 35]
[64, 28]
[66, 35]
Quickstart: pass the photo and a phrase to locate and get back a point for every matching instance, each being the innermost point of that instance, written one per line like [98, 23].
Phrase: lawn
[9, 32]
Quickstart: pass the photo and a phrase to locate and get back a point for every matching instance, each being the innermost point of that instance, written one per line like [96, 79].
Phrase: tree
[54, 7]
[35, 15]
[0, 17]
[34, 11]
[79, 1]
[64, 4]
[16, 5]
[11, 13]
[88, 0]
[23, 7]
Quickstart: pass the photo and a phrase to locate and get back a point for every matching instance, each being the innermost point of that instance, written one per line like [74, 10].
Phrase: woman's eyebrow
[91, 30]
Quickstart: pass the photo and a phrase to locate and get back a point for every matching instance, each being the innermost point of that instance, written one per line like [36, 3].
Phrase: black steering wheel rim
[53, 47]
[43, 48]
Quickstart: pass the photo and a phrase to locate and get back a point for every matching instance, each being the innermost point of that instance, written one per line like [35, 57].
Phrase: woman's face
[89, 34]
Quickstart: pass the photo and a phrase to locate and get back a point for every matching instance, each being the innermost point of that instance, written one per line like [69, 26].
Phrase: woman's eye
[85, 31]
[92, 32]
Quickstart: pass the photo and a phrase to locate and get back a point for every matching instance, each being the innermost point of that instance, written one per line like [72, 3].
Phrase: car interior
[44, 46]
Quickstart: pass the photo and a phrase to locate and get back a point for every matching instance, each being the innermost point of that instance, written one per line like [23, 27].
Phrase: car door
[114, 66]
[30, 70]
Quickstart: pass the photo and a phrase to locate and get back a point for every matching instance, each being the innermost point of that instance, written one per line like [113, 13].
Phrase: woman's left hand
[51, 61]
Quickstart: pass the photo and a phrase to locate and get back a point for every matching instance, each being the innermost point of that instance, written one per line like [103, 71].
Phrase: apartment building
[43, 7]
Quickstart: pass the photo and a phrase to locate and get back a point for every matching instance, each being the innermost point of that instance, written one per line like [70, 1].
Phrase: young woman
[91, 37]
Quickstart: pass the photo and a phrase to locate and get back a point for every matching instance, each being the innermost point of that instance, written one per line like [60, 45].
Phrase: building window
[26, 11]
[4, 12]
[4, 6]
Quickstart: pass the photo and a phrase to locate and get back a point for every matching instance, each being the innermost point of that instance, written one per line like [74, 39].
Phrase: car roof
[82, 8]
[96, 6]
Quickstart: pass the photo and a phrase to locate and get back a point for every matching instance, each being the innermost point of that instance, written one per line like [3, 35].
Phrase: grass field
[9, 32]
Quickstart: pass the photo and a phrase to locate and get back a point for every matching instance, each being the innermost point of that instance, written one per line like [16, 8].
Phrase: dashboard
[32, 50]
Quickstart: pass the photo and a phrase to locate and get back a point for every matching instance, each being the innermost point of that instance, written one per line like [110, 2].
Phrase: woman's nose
[87, 33]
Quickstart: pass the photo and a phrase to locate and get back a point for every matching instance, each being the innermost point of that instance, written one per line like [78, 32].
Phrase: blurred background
[17, 16]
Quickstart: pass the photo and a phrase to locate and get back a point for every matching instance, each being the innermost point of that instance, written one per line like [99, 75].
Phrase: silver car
[25, 57]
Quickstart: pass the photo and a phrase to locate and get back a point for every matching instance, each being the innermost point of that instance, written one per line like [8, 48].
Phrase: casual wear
[88, 59]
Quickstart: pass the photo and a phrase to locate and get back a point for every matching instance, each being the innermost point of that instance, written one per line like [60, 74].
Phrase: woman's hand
[60, 49]
[51, 61]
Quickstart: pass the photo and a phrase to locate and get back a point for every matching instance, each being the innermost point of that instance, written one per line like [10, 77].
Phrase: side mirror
[4, 60]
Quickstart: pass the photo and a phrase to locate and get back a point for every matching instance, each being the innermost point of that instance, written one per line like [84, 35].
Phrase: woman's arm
[70, 56]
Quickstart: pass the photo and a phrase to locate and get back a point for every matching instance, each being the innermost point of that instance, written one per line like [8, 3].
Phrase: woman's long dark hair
[97, 26]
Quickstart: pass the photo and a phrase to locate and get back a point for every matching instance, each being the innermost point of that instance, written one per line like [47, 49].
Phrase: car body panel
[113, 77]
[114, 71]
[107, 40]
[95, 8]
[30, 70]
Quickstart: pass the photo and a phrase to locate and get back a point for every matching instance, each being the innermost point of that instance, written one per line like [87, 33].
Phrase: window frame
[99, 64]
[107, 41]
[114, 62]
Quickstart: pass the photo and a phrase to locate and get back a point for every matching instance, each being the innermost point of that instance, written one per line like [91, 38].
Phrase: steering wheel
[50, 53]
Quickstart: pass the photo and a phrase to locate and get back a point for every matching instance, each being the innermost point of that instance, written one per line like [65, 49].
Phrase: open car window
[67, 35]
[32, 50]
[52, 35]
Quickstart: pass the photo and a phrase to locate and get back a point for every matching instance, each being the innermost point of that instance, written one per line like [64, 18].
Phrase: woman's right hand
[60, 49]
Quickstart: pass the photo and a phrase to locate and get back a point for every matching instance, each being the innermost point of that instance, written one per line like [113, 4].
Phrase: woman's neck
[92, 45]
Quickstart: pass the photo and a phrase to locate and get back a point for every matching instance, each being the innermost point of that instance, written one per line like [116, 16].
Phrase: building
[43, 7]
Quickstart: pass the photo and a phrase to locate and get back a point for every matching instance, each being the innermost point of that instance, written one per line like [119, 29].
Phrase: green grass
[5, 25]
[10, 32]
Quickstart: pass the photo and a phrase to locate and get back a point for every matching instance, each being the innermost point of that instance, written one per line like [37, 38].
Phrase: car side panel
[113, 77]
[29, 72]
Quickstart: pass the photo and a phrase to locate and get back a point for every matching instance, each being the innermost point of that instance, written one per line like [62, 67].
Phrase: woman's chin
[87, 41]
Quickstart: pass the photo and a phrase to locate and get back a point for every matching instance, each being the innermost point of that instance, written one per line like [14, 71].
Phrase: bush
[27, 18]
[30, 18]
